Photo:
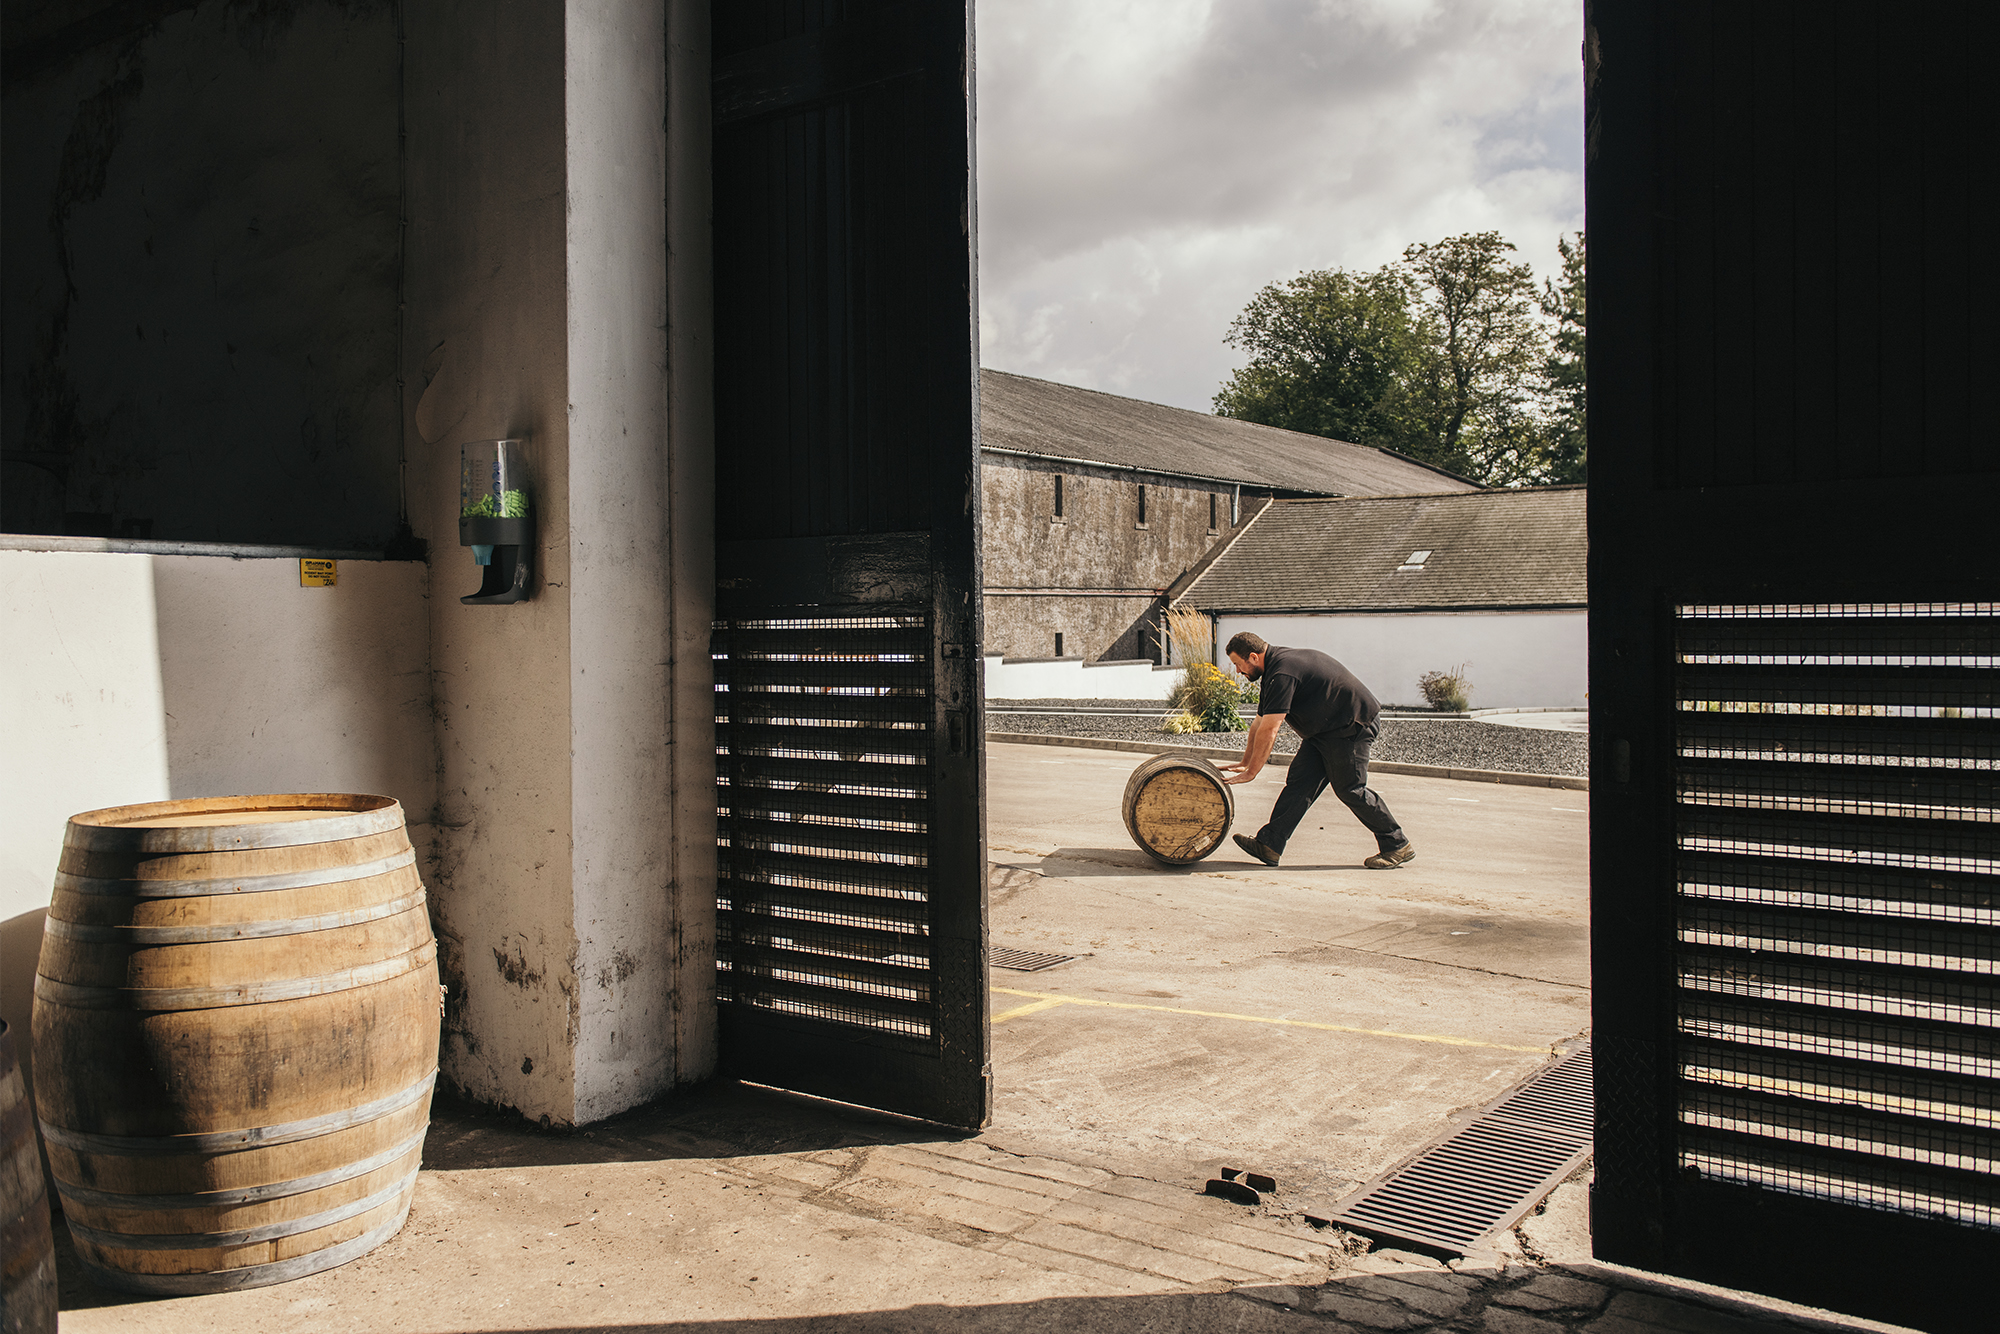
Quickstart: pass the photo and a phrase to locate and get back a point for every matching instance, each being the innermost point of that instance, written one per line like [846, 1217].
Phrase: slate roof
[1038, 417]
[1522, 548]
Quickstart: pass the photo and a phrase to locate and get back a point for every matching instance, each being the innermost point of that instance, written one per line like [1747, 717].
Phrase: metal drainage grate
[1484, 1176]
[1027, 961]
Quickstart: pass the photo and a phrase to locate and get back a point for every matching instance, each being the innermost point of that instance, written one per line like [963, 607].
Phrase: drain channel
[1484, 1176]
[1027, 961]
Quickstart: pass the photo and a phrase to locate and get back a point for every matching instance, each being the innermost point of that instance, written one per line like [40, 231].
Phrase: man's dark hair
[1245, 642]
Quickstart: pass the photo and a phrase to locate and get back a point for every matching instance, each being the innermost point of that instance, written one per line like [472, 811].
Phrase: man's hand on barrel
[1256, 749]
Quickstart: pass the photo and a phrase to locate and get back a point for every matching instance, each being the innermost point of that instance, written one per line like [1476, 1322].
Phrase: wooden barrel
[1178, 808]
[236, 1035]
[27, 1249]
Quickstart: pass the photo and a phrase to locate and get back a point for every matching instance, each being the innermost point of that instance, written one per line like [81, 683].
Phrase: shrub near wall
[1446, 691]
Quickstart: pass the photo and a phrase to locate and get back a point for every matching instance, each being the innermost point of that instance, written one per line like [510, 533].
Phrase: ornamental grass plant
[1206, 696]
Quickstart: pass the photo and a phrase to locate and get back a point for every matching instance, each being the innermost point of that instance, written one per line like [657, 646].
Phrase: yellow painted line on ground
[1048, 1002]
[1016, 1013]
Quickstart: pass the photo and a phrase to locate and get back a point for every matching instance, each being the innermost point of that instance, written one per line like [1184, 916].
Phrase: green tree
[1452, 356]
[1328, 352]
[1566, 449]
[1472, 390]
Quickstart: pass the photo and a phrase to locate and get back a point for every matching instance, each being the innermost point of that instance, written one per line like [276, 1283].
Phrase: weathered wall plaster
[200, 280]
[1094, 626]
[488, 344]
[1095, 572]
[539, 176]
[691, 522]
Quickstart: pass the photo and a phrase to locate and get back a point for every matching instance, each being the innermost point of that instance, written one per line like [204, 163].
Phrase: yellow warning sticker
[318, 573]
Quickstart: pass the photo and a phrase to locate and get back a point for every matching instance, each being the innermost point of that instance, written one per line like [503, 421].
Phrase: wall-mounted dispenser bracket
[496, 520]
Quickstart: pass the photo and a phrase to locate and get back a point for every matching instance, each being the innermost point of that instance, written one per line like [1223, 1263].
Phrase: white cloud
[1146, 165]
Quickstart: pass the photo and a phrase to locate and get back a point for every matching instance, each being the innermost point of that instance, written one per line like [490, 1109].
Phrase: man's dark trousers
[1339, 762]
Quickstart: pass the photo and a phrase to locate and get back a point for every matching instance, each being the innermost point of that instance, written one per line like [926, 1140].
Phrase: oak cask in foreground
[1177, 808]
[236, 1034]
[27, 1248]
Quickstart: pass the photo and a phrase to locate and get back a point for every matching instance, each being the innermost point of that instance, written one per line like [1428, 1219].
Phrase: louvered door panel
[1837, 882]
[851, 894]
[823, 806]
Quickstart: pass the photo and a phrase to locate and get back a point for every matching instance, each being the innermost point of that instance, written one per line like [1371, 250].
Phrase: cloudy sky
[1146, 165]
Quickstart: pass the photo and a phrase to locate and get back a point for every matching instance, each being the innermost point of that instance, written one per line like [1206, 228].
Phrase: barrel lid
[227, 824]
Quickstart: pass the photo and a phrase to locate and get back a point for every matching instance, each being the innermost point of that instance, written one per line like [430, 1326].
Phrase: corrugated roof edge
[1436, 495]
[1146, 402]
[1453, 610]
[1149, 472]
[1411, 458]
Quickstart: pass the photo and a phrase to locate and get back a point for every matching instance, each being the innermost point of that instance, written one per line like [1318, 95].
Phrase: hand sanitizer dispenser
[495, 520]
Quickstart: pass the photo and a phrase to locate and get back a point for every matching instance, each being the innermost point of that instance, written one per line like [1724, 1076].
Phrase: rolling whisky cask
[1177, 808]
[27, 1248]
[236, 1034]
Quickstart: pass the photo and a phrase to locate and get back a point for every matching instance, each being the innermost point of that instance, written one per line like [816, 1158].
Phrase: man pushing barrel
[1334, 715]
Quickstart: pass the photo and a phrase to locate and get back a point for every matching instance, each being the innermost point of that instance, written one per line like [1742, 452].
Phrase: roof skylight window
[1415, 562]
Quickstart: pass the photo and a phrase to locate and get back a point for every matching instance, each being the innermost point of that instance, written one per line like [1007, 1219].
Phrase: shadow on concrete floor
[1069, 863]
[1076, 863]
[720, 1119]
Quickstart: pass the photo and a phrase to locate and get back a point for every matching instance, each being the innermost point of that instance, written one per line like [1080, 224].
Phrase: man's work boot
[1256, 849]
[1389, 861]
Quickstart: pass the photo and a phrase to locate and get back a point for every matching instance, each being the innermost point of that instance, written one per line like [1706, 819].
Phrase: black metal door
[1795, 650]
[852, 864]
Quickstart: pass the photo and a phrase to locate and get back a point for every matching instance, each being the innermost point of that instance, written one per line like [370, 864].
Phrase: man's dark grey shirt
[1318, 696]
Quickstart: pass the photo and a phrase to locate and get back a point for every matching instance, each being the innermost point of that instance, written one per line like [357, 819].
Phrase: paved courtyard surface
[1317, 1022]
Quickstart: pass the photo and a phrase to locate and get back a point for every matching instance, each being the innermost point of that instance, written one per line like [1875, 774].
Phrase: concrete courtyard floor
[1317, 1022]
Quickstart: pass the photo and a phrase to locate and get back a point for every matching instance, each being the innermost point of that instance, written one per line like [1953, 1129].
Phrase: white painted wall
[487, 321]
[1532, 659]
[1075, 679]
[270, 687]
[131, 677]
[82, 725]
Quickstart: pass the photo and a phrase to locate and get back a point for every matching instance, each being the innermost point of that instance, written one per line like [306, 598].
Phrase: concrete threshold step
[1056, 1215]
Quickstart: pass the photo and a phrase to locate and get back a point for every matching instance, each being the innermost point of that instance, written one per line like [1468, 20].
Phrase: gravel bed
[1459, 743]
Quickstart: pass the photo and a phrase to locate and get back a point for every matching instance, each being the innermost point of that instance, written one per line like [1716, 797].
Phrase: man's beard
[1253, 672]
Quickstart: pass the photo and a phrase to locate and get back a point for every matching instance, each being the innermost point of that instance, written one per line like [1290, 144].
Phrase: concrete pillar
[691, 515]
[566, 895]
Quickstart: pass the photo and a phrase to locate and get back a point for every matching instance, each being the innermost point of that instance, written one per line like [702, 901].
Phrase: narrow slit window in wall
[1211, 511]
[1142, 506]
[1059, 496]
[1059, 651]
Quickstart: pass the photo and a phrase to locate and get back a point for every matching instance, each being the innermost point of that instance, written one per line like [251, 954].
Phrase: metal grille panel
[823, 752]
[1837, 784]
[1027, 961]
[1486, 1175]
